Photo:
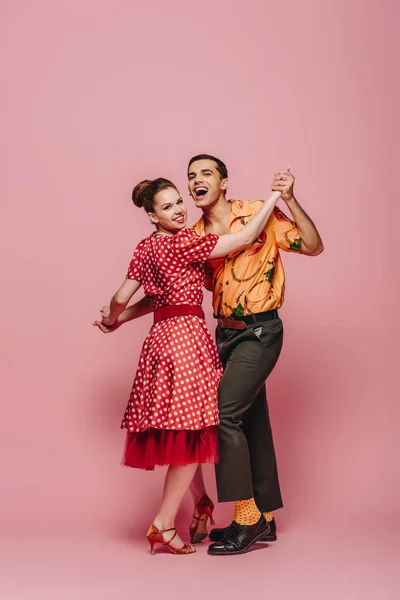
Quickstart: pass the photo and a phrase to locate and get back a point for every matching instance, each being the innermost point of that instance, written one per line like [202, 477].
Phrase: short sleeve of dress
[192, 248]
[135, 270]
[286, 233]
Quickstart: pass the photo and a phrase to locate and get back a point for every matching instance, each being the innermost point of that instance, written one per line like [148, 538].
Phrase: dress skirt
[146, 449]
[172, 413]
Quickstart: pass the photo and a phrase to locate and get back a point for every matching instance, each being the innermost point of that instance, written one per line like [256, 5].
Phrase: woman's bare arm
[120, 300]
[231, 242]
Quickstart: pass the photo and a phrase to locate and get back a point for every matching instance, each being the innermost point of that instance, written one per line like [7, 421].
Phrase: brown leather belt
[177, 310]
[242, 322]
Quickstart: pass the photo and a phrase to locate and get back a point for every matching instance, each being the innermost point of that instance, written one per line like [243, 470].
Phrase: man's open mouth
[200, 191]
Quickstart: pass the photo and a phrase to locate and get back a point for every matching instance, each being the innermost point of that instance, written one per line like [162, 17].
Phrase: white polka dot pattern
[171, 268]
[176, 384]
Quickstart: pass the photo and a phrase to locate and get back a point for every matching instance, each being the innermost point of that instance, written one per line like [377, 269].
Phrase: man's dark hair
[221, 167]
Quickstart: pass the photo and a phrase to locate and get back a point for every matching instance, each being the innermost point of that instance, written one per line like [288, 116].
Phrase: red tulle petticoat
[159, 447]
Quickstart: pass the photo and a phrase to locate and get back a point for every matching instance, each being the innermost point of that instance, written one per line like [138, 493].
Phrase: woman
[172, 413]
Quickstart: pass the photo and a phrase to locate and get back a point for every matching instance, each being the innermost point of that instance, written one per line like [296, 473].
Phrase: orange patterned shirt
[251, 280]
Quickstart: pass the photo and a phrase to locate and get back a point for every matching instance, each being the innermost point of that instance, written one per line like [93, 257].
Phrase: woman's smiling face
[169, 211]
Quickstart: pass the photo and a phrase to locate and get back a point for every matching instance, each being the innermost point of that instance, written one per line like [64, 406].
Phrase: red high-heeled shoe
[205, 509]
[156, 536]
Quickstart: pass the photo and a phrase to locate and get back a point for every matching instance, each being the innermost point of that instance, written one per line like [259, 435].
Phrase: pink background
[102, 94]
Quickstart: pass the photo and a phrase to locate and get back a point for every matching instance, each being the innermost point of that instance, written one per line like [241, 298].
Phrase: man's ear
[224, 184]
[153, 218]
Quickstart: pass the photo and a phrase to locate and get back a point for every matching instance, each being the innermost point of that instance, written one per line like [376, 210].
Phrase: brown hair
[221, 167]
[143, 193]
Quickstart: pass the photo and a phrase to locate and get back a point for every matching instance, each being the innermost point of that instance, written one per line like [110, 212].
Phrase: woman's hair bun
[139, 192]
[144, 192]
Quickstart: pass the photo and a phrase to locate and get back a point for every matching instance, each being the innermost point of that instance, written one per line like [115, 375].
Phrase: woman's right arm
[139, 309]
[120, 301]
[232, 242]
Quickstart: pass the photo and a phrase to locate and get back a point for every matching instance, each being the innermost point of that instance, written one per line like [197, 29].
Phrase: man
[248, 288]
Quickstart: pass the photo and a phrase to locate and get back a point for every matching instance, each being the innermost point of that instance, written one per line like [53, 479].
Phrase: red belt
[177, 310]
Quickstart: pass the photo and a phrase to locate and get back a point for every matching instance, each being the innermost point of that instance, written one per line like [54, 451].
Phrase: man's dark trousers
[247, 464]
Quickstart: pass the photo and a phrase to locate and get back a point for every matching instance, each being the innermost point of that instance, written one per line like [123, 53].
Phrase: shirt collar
[239, 209]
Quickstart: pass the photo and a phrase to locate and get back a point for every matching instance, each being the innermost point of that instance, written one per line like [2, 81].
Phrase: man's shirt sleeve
[286, 233]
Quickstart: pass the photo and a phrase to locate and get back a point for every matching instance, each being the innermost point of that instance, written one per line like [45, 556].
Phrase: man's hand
[106, 328]
[311, 243]
[105, 315]
[284, 183]
[103, 325]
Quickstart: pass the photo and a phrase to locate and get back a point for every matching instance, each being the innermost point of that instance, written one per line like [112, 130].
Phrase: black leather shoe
[216, 535]
[238, 539]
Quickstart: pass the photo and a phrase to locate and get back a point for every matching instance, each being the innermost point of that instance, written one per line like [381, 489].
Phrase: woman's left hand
[284, 183]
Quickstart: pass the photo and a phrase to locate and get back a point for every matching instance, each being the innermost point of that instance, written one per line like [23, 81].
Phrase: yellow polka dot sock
[268, 517]
[246, 512]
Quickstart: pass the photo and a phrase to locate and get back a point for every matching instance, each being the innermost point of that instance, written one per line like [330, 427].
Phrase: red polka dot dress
[172, 412]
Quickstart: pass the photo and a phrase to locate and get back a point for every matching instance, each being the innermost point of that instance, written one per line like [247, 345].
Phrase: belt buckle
[230, 323]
